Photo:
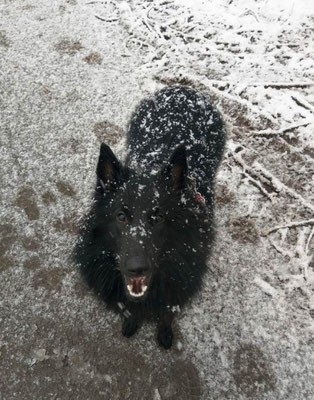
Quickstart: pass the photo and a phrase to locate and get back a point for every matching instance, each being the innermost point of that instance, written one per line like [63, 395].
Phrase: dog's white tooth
[130, 289]
[137, 294]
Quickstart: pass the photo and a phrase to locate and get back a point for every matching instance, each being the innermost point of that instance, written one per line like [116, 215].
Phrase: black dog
[145, 243]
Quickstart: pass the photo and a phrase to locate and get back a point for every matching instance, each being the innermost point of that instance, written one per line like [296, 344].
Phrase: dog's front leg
[164, 329]
[130, 325]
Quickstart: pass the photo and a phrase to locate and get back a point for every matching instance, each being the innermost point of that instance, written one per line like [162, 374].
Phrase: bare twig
[95, 2]
[281, 187]
[289, 225]
[157, 394]
[265, 287]
[248, 172]
[309, 241]
[258, 185]
[229, 43]
[302, 102]
[136, 40]
[106, 20]
[280, 250]
[301, 253]
[283, 85]
[250, 12]
[257, 171]
[282, 130]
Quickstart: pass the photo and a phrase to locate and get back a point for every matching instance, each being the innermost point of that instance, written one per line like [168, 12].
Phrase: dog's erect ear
[178, 167]
[108, 167]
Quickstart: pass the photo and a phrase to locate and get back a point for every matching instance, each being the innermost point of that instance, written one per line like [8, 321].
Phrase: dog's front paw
[129, 327]
[165, 336]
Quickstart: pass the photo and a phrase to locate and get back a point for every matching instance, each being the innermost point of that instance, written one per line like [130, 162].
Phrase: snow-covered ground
[71, 72]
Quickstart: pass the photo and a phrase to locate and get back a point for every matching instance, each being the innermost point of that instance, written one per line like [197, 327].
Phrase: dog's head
[150, 218]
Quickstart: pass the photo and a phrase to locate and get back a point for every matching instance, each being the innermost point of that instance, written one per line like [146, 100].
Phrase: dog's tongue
[137, 285]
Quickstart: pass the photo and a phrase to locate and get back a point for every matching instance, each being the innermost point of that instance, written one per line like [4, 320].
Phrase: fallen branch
[280, 250]
[249, 173]
[157, 394]
[301, 253]
[250, 12]
[133, 39]
[95, 2]
[309, 241]
[258, 185]
[106, 20]
[265, 287]
[267, 178]
[302, 102]
[282, 130]
[281, 187]
[289, 225]
[283, 85]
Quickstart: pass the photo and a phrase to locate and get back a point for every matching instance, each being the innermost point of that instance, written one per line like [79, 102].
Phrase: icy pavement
[71, 74]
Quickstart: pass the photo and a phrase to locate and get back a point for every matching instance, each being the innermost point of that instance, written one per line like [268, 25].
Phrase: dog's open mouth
[136, 286]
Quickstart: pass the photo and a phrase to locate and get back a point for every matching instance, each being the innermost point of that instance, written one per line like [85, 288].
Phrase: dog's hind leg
[129, 326]
[164, 329]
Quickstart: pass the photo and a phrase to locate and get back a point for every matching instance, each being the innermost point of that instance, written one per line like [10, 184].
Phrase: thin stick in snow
[289, 225]
[281, 187]
[301, 253]
[95, 2]
[258, 185]
[250, 12]
[157, 394]
[265, 177]
[106, 20]
[280, 250]
[283, 85]
[309, 241]
[302, 102]
[265, 287]
[251, 174]
[282, 130]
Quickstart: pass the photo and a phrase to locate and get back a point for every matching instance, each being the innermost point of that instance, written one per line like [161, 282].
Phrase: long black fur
[175, 143]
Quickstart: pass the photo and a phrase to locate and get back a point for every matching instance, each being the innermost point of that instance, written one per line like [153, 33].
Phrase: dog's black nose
[136, 266]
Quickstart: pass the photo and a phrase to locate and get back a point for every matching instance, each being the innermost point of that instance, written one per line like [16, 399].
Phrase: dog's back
[176, 115]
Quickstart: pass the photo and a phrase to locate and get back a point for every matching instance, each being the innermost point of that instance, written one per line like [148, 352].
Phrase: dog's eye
[157, 219]
[121, 217]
